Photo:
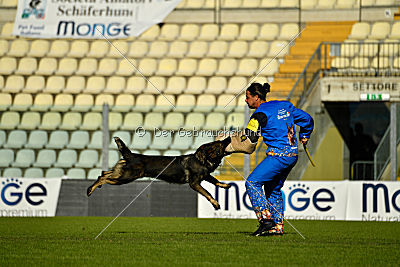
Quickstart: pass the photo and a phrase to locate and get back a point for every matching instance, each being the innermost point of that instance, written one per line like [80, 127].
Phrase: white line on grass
[267, 199]
[133, 200]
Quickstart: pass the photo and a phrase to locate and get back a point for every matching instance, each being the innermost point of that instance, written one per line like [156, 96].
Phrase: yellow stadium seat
[379, 31]
[47, 66]
[58, 48]
[247, 67]
[187, 67]
[189, 32]
[62, 102]
[3, 47]
[178, 49]
[75, 85]
[127, 67]
[54, 85]
[227, 67]
[7, 65]
[237, 49]
[147, 66]
[218, 49]
[123, 103]
[34, 84]
[359, 31]
[185, 103]
[18, 48]
[87, 67]
[169, 32]
[216, 85]
[155, 85]
[115, 85]
[6, 31]
[103, 99]
[98, 49]
[167, 67]
[236, 85]
[29, 121]
[205, 103]
[132, 120]
[22, 102]
[91, 121]
[197, 49]
[135, 85]
[248, 31]
[67, 66]
[278, 49]
[268, 32]
[117, 48]
[196, 85]
[5, 102]
[175, 85]
[158, 49]
[225, 103]
[144, 103]
[26, 66]
[289, 31]
[138, 49]
[208, 32]
[95, 85]
[207, 67]
[79, 48]
[39, 48]
[9, 120]
[107, 67]
[229, 32]
[194, 121]
[14, 84]
[150, 34]
[71, 121]
[50, 121]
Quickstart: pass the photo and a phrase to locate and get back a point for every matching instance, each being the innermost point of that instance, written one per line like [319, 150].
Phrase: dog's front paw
[89, 191]
[227, 186]
[216, 205]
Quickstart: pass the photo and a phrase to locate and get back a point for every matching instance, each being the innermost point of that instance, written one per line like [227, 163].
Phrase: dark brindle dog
[192, 168]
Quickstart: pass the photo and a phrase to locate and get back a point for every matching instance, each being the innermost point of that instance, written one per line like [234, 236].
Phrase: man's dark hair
[260, 90]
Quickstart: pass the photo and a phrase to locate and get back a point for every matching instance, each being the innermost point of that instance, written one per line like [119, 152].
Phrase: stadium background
[52, 91]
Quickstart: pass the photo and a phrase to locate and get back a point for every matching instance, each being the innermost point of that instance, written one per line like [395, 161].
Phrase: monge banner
[89, 18]
[24, 197]
[302, 200]
[374, 201]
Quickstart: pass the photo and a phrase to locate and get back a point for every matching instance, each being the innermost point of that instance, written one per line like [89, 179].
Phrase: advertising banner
[25, 197]
[333, 200]
[89, 18]
[373, 201]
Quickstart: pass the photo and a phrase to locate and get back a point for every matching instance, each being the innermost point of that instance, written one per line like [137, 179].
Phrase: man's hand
[304, 140]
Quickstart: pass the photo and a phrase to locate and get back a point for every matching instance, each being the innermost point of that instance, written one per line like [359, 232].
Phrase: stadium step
[304, 47]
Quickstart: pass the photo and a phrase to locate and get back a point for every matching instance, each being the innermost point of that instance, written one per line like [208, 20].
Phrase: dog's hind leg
[214, 181]
[197, 187]
[108, 177]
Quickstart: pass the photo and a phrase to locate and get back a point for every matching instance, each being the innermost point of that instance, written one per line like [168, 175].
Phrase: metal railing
[362, 170]
[382, 152]
[347, 59]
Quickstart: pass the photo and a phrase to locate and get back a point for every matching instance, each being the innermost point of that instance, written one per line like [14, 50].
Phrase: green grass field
[192, 241]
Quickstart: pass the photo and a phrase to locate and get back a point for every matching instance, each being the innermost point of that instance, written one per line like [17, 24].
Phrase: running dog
[191, 169]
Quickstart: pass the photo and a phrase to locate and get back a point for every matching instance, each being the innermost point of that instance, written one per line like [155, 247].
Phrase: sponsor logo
[283, 113]
[70, 28]
[379, 190]
[299, 198]
[12, 193]
[35, 8]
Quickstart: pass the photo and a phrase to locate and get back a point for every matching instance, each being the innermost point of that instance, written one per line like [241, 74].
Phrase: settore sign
[336, 200]
[24, 197]
[89, 18]
[354, 90]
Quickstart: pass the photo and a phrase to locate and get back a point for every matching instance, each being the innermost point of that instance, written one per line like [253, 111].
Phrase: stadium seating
[47, 66]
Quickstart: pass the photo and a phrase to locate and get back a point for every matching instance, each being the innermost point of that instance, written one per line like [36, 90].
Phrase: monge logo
[35, 8]
[300, 198]
[13, 193]
[375, 189]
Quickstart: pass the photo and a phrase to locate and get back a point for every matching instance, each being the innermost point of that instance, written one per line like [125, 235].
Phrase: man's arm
[306, 123]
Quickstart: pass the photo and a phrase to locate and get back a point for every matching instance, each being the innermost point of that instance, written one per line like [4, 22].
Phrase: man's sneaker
[265, 226]
[276, 230]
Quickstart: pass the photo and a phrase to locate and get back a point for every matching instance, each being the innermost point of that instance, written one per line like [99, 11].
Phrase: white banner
[87, 18]
[374, 201]
[333, 200]
[25, 197]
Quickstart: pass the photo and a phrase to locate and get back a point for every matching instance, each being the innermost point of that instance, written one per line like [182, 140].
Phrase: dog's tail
[123, 149]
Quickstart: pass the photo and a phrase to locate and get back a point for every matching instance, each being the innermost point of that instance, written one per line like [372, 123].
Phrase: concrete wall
[159, 199]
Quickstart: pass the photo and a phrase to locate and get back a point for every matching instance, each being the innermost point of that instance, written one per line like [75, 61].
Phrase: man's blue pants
[270, 173]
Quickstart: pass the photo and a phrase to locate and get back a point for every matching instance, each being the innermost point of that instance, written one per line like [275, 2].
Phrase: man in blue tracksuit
[275, 122]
